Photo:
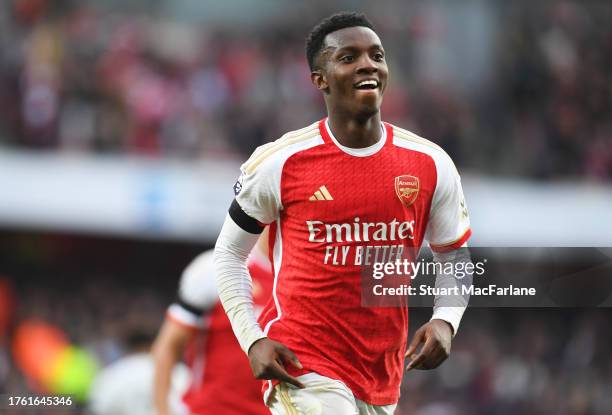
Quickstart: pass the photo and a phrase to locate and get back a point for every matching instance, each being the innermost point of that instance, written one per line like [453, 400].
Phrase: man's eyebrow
[350, 48]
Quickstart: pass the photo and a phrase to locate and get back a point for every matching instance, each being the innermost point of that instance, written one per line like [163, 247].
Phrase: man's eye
[379, 56]
[347, 58]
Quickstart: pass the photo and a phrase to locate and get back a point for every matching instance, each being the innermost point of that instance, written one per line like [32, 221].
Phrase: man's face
[353, 70]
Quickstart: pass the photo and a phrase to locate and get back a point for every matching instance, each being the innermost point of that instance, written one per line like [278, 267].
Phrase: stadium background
[122, 127]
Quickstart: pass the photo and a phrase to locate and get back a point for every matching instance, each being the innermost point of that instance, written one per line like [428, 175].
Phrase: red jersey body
[222, 381]
[335, 210]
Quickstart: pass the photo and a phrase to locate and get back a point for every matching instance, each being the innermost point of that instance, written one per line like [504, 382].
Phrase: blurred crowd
[508, 88]
[101, 316]
[101, 292]
[504, 361]
[519, 361]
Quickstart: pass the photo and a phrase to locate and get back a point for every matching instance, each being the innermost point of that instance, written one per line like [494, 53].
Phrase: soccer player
[336, 194]
[222, 382]
[124, 387]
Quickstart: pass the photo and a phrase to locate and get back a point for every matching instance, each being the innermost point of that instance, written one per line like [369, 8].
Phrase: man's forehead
[357, 36]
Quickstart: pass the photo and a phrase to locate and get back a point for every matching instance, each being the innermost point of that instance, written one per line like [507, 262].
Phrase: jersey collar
[356, 152]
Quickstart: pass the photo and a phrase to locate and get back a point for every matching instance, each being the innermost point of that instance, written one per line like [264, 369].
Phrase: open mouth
[368, 84]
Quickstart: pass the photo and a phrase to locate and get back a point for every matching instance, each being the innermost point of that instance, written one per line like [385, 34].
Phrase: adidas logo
[321, 194]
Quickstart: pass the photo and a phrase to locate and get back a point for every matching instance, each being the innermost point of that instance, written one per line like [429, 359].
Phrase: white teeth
[364, 83]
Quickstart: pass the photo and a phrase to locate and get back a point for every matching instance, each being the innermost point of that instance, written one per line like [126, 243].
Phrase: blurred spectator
[512, 88]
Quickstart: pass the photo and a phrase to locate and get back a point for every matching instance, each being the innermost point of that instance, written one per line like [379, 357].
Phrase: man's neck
[355, 133]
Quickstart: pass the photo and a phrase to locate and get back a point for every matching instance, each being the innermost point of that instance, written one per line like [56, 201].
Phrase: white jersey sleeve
[450, 307]
[258, 202]
[449, 222]
[197, 292]
[447, 231]
[258, 190]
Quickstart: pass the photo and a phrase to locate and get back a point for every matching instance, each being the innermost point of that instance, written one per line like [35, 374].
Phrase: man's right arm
[257, 203]
[238, 236]
[234, 282]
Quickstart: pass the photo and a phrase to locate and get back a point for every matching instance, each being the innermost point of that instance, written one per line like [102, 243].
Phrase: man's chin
[365, 112]
[368, 106]
[372, 99]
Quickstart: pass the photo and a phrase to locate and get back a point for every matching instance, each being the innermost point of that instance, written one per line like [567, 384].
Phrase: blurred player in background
[196, 325]
[125, 387]
[337, 194]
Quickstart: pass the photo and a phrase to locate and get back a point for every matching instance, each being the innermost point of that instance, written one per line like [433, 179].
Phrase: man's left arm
[447, 231]
[436, 335]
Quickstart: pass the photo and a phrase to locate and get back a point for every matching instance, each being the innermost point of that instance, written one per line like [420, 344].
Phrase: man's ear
[318, 79]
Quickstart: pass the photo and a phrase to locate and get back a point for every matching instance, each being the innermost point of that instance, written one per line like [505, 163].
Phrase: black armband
[243, 220]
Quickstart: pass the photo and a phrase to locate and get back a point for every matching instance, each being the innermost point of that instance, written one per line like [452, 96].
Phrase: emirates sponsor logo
[357, 231]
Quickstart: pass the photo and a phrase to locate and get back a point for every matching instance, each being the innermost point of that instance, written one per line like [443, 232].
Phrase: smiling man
[336, 194]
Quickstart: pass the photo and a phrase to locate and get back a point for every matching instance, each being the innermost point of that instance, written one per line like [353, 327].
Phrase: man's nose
[366, 65]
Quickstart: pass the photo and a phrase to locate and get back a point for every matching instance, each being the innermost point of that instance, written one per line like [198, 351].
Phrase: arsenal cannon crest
[407, 189]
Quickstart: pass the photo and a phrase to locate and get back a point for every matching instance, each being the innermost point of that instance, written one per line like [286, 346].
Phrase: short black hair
[337, 21]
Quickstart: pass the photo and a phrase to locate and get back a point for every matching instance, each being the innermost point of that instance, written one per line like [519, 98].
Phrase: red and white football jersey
[332, 210]
[222, 381]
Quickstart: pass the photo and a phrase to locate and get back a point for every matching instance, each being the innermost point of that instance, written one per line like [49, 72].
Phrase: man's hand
[267, 359]
[436, 336]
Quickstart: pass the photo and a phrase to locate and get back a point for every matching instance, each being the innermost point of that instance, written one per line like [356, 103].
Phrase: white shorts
[321, 396]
